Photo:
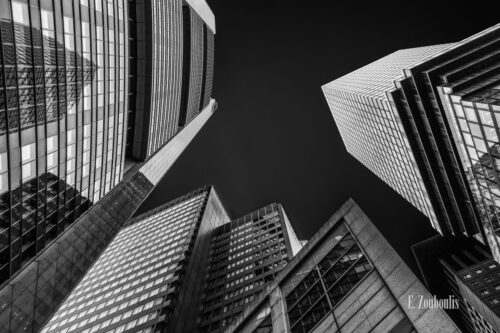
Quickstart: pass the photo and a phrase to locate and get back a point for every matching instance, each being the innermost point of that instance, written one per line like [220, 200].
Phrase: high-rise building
[64, 119]
[181, 267]
[425, 121]
[347, 278]
[172, 69]
[246, 255]
[464, 269]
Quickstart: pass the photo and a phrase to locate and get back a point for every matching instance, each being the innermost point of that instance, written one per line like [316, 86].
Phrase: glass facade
[150, 277]
[61, 118]
[246, 255]
[444, 100]
[371, 128]
[475, 122]
[327, 283]
[172, 72]
[63, 122]
[347, 278]
[134, 281]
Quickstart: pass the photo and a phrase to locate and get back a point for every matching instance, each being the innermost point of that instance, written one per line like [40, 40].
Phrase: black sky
[273, 137]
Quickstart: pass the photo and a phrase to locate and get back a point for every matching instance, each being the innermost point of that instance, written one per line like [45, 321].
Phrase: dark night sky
[273, 137]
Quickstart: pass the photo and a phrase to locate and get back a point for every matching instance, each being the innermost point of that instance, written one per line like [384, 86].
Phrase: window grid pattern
[371, 127]
[326, 284]
[166, 72]
[246, 255]
[135, 277]
[209, 67]
[196, 66]
[58, 94]
[476, 122]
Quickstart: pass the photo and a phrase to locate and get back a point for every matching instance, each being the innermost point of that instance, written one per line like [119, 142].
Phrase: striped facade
[172, 72]
[147, 260]
[210, 48]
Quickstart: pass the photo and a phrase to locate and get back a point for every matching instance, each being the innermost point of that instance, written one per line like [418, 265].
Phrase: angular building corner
[425, 121]
[68, 114]
[347, 278]
[184, 266]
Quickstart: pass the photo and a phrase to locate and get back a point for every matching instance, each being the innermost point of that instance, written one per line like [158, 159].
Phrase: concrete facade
[378, 302]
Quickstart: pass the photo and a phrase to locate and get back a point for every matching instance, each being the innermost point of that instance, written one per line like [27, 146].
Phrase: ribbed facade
[446, 104]
[196, 66]
[172, 72]
[166, 74]
[61, 118]
[209, 72]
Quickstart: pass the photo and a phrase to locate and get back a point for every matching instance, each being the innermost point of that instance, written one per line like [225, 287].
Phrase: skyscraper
[181, 267]
[347, 278]
[424, 120]
[64, 119]
[172, 66]
[246, 255]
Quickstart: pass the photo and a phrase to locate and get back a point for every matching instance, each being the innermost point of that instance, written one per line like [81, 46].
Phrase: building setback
[66, 187]
[347, 278]
[163, 271]
[438, 106]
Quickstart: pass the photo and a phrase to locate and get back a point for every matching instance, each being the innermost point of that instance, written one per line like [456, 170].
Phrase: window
[3, 173]
[485, 292]
[28, 171]
[28, 152]
[20, 13]
[327, 283]
[47, 23]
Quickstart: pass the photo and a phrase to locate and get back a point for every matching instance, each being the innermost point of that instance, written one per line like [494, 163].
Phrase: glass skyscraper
[347, 278]
[68, 110]
[436, 106]
[172, 66]
[62, 118]
[181, 267]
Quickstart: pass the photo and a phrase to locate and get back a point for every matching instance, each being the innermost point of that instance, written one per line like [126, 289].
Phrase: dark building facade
[64, 110]
[444, 105]
[163, 270]
[347, 278]
[171, 70]
[463, 268]
[246, 255]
